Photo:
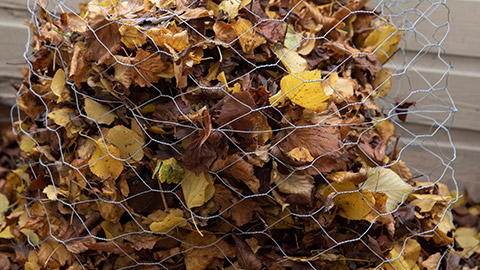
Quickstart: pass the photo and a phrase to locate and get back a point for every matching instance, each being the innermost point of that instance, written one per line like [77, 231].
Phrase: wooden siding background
[463, 51]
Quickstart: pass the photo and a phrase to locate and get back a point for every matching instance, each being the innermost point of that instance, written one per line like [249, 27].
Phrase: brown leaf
[147, 68]
[237, 113]
[236, 167]
[272, 30]
[401, 108]
[244, 211]
[200, 251]
[246, 258]
[224, 32]
[103, 43]
[323, 143]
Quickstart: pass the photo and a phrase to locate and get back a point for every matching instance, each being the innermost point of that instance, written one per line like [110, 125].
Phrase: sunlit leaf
[303, 89]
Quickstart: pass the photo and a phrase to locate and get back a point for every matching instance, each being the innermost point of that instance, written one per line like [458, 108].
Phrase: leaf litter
[187, 148]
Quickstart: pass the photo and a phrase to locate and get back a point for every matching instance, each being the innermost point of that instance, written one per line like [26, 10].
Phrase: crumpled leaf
[296, 183]
[127, 141]
[104, 42]
[202, 250]
[247, 37]
[50, 192]
[386, 181]
[168, 222]
[301, 154]
[197, 189]
[432, 263]
[131, 36]
[98, 111]
[102, 164]
[353, 205]
[303, 90]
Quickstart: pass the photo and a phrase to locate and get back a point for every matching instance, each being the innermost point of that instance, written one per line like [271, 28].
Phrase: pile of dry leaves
[215, 134]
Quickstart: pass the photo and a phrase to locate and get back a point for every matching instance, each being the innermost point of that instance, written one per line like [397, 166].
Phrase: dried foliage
[216, 135]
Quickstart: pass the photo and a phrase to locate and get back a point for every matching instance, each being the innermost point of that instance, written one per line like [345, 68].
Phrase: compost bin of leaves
[216, 135]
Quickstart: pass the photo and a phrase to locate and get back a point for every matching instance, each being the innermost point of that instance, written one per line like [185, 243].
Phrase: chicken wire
[424, 98]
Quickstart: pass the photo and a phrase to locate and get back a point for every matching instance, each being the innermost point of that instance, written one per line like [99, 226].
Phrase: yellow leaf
[111, 229]
[467, 238]
[386, 181]
[296, 183]
[131, 36]
[50, 192]
[163, 37]
[4, 203]
[383, 82]
[301, 154]
[301, 90]
[384, 127]
[353, 206]
[406, 260]
[247, 37]
[32, 262]
[61, 116]
[236, 87]
[384, 41]
[6, 233]
[58, 86]
[169, 222]
[27, 144]
[292, 61]
[127, 141]
[433, 262]
[197, 189]
[231, 7]
[99, 112]
[102, 164]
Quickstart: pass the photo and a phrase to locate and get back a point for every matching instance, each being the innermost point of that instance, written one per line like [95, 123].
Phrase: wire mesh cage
[234, 135]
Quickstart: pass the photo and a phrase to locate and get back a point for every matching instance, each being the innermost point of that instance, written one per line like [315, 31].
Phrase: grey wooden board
[467, 144]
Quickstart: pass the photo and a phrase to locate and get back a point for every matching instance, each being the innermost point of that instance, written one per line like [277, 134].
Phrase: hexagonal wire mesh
[220, 102]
